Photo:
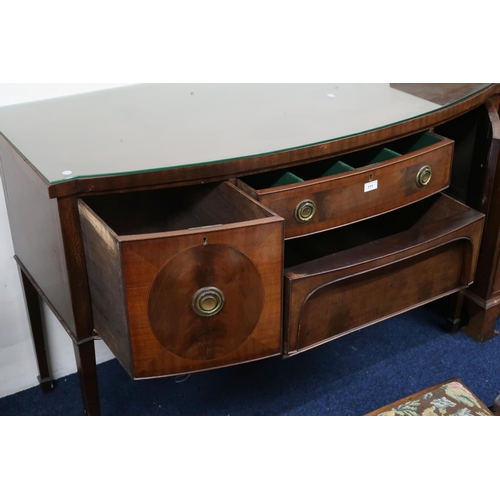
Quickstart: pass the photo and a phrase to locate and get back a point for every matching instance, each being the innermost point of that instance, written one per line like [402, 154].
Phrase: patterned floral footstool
[448, 399]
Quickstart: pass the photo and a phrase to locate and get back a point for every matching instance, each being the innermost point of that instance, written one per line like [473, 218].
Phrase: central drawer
[338, 191]
[348, 278]
[184, 279]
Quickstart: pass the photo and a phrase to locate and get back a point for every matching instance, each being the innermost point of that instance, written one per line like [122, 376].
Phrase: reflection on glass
[158, 126]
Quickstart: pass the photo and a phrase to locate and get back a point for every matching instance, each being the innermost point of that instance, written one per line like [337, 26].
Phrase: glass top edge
[215, 158]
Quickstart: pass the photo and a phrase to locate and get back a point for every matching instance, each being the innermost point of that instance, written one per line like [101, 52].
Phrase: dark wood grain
[76, 270]
[173, 317]
[490, 205]
[481, 304]
[33, 306]
[471, 134]
[143, 260]
[430, 259]
[354, 301]
[87, 374]
[454, 320]
[83, 342]
[103, 260]
[481, 317]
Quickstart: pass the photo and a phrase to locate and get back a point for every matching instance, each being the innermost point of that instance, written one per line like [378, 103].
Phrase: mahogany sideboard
[197, 226]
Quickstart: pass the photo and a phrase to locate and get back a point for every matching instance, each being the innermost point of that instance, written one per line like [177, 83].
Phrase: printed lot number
[371, 186]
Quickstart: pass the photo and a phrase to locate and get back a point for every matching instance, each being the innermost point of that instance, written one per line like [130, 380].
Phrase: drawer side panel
[102, 254]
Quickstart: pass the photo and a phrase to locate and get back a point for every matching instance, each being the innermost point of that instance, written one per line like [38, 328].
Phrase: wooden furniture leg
[33, 308]
[454, 320]
[482, 319]
[83, 340]
[87, 373]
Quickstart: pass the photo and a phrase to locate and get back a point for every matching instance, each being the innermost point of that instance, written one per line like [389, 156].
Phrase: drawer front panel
[360, 194]
[338, 191]
[336, 279]
[204, 300]
[355, 302]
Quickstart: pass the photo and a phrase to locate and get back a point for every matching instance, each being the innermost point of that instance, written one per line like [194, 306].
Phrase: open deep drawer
[347, 278]
[184, 279]
[353, 187]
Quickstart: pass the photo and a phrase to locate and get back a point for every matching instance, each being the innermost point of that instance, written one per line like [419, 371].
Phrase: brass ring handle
[208, 301]
[424, 176]
[305, 210]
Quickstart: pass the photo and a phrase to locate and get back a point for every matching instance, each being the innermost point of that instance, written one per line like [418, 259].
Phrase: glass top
[160, 126]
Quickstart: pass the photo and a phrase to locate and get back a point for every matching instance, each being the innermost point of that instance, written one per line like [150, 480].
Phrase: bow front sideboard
[197, 226]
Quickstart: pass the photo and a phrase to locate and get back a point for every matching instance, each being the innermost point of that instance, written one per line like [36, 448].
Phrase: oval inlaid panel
[175, 295]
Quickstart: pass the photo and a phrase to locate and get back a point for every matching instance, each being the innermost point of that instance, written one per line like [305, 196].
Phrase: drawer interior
[342, 164]
[175, 209]
[433, 209]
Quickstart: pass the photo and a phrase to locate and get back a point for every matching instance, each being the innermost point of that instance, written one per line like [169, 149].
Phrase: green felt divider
[383, 155]
[424, 141]
[287, 178]
[337, 168]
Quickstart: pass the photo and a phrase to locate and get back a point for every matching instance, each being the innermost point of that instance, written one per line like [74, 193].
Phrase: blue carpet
[350, 376]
